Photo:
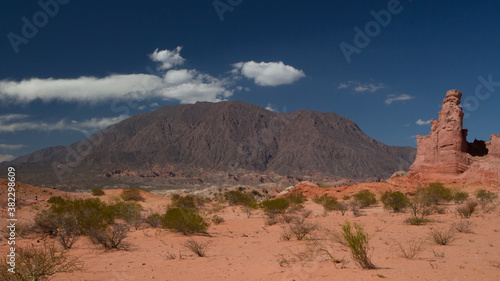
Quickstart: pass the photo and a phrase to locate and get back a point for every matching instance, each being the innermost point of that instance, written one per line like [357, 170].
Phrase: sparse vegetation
[39, 263]
[358, 244]
[197, 247]
[466, 210]
[395, 200]
[464, 226]
[442, 237]
[97, 191]
[154, 219]
[434, 193]
[275, 207]
[132, 195]
[110, 238]
[127, 211]
[296, 198]
[411, 249]
[365, 198]
[217, 219]
[186, 221]
[417, 220]
[187, 202]
[300, 228]
[322, 185]
[236, 197]
[485, 197]
[56, 200]
[460, 196]
[346, 197]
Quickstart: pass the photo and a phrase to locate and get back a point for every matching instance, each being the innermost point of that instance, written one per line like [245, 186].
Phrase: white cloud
[154, 104]
[421, 122]
[10, 146]
[86, 126]
[270, 107]
[392, 98]
[268, 73]
[6, 157]
[361, 87]
[168, 59]
[141, 107]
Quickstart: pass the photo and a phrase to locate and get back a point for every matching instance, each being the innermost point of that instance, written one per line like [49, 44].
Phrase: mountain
[213, 142]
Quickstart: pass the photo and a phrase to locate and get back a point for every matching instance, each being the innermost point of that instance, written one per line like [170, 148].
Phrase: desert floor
[243, 248]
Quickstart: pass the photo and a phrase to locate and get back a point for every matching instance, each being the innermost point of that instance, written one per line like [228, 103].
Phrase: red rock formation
[445, 155]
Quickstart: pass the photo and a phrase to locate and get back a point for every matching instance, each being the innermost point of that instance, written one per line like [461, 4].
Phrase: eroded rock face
[445, 155]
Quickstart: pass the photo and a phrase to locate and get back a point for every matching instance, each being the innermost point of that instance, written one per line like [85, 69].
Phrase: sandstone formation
[445, 155]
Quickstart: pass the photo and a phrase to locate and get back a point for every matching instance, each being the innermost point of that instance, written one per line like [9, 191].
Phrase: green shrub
[358, 244]
[346, 197]
[186, 202]
[483, 195]
[132, 195]
[155, 220]
[442, 237]
[57, 200]
[97, 191]
[365, 198]
[434, 193]
[395, 200]
[275, 206]
[186, 221]
[329, 203]
[236, 197]
[467, 210]
[127, 211]
[460, 196]
[111, 237]
[414, 220]
[217, 219]
[46, 222]
[296, 198]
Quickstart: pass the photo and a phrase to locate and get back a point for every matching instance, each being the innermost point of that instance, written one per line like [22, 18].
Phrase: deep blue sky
[427, 48]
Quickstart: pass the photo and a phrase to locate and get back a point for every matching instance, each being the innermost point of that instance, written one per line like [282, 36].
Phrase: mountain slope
[198, 140]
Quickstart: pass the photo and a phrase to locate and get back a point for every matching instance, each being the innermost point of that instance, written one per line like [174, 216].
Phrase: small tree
[275, 206]
[395, 200]
[186, 221]
[365, 198]
[97, 191]
[132, 195]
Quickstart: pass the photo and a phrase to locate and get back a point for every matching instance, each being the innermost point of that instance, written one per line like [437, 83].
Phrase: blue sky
[72, 67]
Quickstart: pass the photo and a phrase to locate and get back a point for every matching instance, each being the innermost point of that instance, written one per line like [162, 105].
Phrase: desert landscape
[415, 225]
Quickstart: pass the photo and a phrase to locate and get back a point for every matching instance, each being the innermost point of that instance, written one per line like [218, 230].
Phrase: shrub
[434, 193]
[275, 206]
[57, 200]
[412, 249]
[186, 202]
[296, 198]
[322, 185]
[38, 263]
[46, 222]
[197, 247]
[460, 196]
[365, 198]
[417, 220]
[155, 220]
[346, 197]
[186, 221]
[217, 219]
[111, 238]
[358, 244]
[442, 237]
[467, 210]
[485, 197]
[132, 195]
[97, 191]
[329, 203]
[464, 226]
[395, 200]
[236, 197]
[68, 231]
[300, 228]
[127, 211]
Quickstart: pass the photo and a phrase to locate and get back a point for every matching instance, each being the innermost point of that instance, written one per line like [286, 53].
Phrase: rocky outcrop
[445, 155]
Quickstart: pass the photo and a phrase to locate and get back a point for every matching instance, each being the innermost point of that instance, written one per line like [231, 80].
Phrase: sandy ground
[244, 248]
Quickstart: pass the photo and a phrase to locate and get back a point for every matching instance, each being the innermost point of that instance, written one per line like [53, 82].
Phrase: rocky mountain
[212, 142]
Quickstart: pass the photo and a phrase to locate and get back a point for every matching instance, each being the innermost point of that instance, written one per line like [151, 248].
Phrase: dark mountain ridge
[208, 142]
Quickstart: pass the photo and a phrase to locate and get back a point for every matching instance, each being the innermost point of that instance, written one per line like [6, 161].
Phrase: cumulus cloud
[6, 157]
[154, 104]
[86, 127]
[361, 87]
[141, 107]
[270, 107]
[168, 59]
[421, 122]
[392, 98]
[268, 73]
[10, 146]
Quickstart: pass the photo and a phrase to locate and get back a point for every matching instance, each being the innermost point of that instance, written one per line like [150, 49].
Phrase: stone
[445, 155]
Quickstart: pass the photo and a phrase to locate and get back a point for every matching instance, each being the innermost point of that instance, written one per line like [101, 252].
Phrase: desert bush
[186, 221]
[342, 207]
[300, 228]
[365, 198]
[464, 226]
[417, 220]
[434, 193]
[346, 197]
[485, 197]
[68, 230]
[466, 210]
[56, 200]
[38, 263]
[275, 206]
[412, 248]
[186, 202]
[132, 195]
[420, 207]
[97, 191]
[358, 244]
[395, 200]
[217, 219]
[330, 204]
[197, 247]
[442, 237]
[127, 211]
[296, 198]
[46, 222]
[322, 185]
[460, 196]
[155, 220]
[236, 197]
[110, 238]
